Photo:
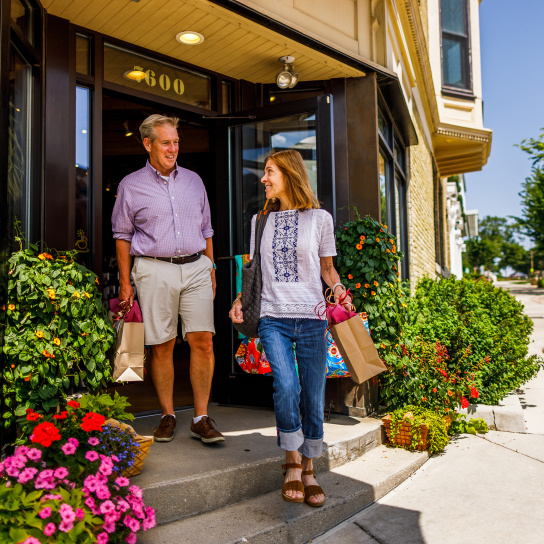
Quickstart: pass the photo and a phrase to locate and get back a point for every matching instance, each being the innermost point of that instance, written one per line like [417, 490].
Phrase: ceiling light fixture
[287, 78]
[136, 74]
[127, 131]
[189, 37]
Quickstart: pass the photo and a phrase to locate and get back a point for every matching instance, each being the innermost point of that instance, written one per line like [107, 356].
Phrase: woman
[297, 248]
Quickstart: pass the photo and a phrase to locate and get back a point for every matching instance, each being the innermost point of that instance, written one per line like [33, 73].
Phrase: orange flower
[76, 294]
[366, 285]
[394, 267]
[362, 237]
[391, 241]
[364, 294]
[48, 256]
[450, 393]
[96, 281]
[52, 356]
[398, 273]
[382, 345]
[390, 285]
[381, 230]
[424, 399]
[394, 249]
[377, 239]
[11, 307]
[447, 410]
[86, 294]
[45, 353]
[350, 277]
[359, 246]
[372, 293]
[376, 283]
[39, 334]
[388, 251]
[28, 378]
[357, 286]
[56, 341]
[384, 226]
[41, 256]
[51, 293]
[434, 389]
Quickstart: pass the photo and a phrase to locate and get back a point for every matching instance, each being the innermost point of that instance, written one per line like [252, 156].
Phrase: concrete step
[267, 519]
[185, 477]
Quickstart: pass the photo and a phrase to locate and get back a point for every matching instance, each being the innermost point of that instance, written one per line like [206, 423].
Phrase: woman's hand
[236, 315]
[341, 295]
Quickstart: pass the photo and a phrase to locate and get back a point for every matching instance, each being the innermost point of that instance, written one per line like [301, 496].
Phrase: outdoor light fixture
[127, 130]
[189, 37]
[136, 74]
[287, 78]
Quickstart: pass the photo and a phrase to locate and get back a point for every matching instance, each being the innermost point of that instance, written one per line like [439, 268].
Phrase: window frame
[449, 89]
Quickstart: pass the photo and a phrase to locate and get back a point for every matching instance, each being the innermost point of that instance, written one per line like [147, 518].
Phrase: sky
[512, 40]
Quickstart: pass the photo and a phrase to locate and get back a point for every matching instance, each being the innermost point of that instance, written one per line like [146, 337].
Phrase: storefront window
[83, 55]
[159, 78]
[261, 139]
[83, 168]
[19, 170]
[21, 15]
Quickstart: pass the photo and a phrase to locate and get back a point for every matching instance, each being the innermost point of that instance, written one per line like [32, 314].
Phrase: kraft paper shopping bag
[129, 357]
[357, 349]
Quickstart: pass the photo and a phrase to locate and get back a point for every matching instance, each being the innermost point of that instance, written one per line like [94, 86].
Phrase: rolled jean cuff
[290, 441]
[312, 447]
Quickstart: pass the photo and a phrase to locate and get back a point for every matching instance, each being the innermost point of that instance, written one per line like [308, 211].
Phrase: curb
[507, 416]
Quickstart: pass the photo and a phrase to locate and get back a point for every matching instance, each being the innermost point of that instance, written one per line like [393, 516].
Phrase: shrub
[540, 283]
[368, 265]
[483, 329]
[57, 331]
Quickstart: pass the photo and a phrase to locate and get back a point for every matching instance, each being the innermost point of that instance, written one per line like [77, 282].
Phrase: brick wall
[421, 207]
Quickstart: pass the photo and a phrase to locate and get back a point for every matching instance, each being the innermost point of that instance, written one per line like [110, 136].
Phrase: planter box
[403, 438]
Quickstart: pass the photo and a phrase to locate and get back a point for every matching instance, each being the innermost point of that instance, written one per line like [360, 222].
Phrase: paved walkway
[482, 489]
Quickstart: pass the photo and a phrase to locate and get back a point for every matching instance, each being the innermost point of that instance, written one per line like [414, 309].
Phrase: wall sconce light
[287, 78]
[127, 130]
[137, 74]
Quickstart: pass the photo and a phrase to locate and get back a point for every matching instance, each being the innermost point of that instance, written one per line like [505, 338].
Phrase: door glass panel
[258, 141]
[83, 54]
[19, 146]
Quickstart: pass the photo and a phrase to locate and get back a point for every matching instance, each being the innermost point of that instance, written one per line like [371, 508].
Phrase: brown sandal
[312, 491]
[294, 485]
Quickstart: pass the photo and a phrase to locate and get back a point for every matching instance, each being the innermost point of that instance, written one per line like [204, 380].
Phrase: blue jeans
[297, 398]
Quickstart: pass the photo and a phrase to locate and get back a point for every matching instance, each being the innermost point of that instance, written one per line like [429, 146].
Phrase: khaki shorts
[166, 290]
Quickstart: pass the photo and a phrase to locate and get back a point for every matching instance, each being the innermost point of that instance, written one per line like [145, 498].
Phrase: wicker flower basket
[403, 437]
[143, 441]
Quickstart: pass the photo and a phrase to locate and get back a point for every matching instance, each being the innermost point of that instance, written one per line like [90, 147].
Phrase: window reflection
[83, 55]
[383, 191]
[83, 152]
[261, 139]
[21, 15]
[19, 147]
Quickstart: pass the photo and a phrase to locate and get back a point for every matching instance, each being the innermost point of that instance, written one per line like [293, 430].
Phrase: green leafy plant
[57, 332]
[368, 265]
[460, 425]
[107, 406]
[419, 417]
[421, 373]
[540, 283]
[483, 328]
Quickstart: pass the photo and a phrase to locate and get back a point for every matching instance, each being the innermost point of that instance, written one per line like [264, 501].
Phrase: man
[161, 219]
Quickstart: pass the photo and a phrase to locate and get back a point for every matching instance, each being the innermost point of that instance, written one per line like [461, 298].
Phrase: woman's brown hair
[297, 183]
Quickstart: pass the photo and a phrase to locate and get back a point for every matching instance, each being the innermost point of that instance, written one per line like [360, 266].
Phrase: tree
[482, 252]
[498, 229]
[532, 195]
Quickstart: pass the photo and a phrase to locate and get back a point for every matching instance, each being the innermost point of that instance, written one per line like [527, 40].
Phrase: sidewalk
[482, 489]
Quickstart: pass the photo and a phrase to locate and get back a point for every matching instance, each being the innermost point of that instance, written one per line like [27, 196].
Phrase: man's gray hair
[147, 128]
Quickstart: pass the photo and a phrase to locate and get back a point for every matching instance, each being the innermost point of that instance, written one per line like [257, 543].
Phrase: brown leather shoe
[165, 431]
[206, 431]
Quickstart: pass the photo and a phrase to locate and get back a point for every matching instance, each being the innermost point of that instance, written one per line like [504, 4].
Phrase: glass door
[304, 125]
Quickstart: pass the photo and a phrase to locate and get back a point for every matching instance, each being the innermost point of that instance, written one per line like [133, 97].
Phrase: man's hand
[126, 293]
[124, 261]
[341, 295]
[236, 315]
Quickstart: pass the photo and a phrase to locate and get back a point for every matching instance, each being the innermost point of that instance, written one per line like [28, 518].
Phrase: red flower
[29, 410]
[45, 433]
[434, 389]
[73, 404]
[424, 399]
[464, 403]
[32, 416]
[62, 415]
[92, 422]
[474, 392]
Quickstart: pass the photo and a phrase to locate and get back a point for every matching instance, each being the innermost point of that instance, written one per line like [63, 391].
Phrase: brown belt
[178, 260]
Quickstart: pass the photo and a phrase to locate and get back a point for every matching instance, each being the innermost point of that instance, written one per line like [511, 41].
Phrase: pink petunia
[135, 490]
[49, 529]
[80, 514]
[13, 472]
[67, 513]
[22, 450]
[52, 497]
[68, 448]
[91, 456]
[73, 441]
[66, 526]
[89, 501]
[102, 538]
[109, 527]
[106, 507]
[45, 512]
[93, 441]
[61, 473]
[103, 493]
[114, 458]
[31, 540]
[122, 505]
[34, 454]
[131, 538]
[27, 474]
[121, 481]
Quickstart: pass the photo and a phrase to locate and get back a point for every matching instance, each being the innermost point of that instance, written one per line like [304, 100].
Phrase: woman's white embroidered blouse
[292, 243]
